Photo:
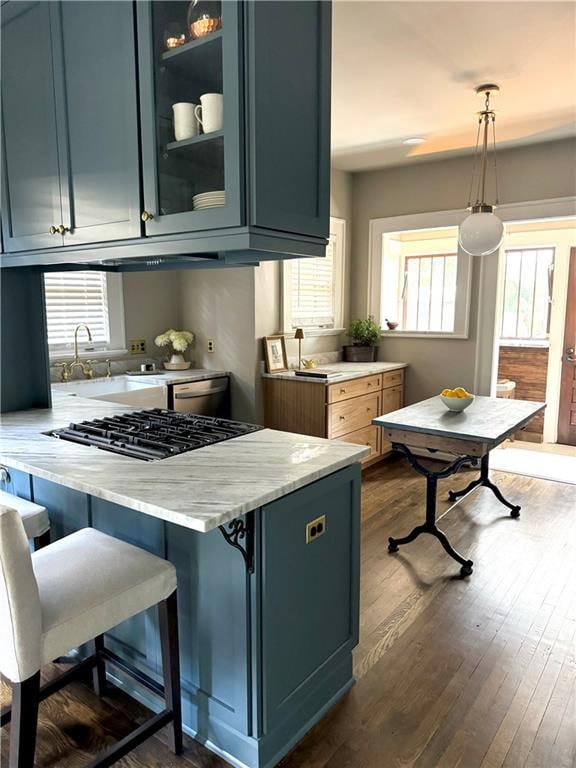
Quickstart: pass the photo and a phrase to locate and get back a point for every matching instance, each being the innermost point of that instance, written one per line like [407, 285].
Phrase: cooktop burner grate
[153, 434]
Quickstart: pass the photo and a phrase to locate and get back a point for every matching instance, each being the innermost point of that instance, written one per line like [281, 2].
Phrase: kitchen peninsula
[262, 529]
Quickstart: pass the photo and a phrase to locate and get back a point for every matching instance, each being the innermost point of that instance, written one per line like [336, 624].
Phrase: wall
[151, 305]
[540, 171]
[219, 304]
[528, 367]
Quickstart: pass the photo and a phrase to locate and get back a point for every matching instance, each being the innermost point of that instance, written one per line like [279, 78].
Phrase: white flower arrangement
[180, 340]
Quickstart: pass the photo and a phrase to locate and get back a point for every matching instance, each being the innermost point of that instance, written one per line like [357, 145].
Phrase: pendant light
[482, 231]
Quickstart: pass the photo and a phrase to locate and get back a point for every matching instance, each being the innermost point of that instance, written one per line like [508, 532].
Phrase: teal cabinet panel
[310, 590]
[136, 639]
[68, 509]
[24, 364]
[97, 120]
[31, 179]
[213, 600]
[288, 106]
[17, 483]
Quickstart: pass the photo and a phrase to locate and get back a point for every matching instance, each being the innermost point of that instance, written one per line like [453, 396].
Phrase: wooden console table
[469, 436]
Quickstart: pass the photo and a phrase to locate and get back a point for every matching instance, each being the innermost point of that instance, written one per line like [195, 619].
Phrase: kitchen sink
[118, 389]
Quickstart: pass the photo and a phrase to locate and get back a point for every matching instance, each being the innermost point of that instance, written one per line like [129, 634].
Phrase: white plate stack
[209, 200]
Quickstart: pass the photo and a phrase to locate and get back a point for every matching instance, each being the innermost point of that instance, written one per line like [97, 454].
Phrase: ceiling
[406, 69]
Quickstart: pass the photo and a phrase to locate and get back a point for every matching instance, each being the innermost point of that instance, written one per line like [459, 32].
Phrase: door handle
[204, 393]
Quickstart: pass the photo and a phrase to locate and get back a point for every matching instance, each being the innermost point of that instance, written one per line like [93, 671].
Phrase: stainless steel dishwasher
[210, 397]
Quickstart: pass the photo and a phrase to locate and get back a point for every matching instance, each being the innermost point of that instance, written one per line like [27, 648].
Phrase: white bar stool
[64, 595]
[34, 516]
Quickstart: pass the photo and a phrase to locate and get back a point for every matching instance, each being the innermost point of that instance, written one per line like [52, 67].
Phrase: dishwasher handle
[203, 393]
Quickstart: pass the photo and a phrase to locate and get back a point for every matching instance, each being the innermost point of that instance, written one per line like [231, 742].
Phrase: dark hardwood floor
[479, 673]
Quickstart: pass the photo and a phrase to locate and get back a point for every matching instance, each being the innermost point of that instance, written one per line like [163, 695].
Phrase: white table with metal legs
[468, 436]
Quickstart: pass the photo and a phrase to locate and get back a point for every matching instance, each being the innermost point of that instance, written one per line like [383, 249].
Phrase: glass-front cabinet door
[191, 122]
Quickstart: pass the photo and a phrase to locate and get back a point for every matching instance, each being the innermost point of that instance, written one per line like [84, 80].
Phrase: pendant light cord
[497, 199]
[474, 166]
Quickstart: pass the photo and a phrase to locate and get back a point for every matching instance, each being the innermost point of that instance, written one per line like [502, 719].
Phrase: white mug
[211, 108]
[185, 123]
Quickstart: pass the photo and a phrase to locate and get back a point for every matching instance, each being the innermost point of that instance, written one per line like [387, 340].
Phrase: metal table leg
[430, 525]
[485, 480]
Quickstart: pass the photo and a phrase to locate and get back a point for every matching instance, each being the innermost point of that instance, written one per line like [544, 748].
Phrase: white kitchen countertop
[201, 489]
[347, 370]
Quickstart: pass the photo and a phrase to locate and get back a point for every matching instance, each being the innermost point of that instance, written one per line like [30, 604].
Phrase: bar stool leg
[42, 541]
[168, 616]
[99, 671]
[24, 722]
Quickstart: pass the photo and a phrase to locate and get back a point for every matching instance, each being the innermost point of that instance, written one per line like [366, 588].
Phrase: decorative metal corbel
[241, 530]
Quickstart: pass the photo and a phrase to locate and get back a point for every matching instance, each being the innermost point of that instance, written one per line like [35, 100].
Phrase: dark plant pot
[354, 354]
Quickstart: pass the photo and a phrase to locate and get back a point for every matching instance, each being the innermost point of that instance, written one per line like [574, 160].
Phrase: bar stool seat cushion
[35, 517]
[89, 582]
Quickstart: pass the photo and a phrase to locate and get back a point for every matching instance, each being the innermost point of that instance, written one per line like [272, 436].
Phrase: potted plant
[179, 341]
[365, 335]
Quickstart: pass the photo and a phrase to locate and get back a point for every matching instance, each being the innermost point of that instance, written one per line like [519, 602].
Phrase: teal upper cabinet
[69, 106]
[31, 201]
[192, 162]
[152, 132]
[288, 111]
[98, 120]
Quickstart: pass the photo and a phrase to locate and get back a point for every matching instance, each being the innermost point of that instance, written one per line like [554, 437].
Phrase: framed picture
[275, 352]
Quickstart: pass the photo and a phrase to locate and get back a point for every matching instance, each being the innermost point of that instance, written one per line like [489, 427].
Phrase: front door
[567, 413]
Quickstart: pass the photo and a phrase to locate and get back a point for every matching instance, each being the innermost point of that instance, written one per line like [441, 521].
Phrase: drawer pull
[342, 391]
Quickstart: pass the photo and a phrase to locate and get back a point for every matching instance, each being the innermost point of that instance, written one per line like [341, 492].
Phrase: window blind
[312, 291]
[73, 298]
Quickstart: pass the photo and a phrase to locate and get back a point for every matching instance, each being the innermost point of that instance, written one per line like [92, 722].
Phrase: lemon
[446, 393]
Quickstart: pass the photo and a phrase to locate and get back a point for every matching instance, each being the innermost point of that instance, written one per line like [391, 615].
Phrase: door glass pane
[189, 105]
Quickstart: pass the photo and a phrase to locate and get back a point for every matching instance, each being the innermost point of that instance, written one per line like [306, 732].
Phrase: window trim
[435, 220]
[116, 318]
[337, 228]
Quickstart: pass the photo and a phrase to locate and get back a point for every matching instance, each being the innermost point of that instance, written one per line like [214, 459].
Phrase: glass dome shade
[480, 233]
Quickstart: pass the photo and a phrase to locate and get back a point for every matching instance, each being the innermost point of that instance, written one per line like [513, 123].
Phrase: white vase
[177, 362]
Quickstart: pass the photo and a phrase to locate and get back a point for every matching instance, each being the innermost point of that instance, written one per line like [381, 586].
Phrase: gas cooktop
[153, 434]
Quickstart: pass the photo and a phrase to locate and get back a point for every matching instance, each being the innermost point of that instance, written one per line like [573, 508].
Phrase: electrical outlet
[210, 344]
[137, 346]
[315, 529]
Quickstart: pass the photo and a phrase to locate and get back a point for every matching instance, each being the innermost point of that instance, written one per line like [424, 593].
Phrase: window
[93, 298]
[313, 288]
[422, 277]
[528, 275]
[429, 292]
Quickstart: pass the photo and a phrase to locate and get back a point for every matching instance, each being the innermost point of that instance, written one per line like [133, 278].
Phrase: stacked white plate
[209, 200]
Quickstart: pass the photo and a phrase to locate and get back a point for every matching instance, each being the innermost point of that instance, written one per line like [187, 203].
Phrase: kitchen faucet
[85, 366]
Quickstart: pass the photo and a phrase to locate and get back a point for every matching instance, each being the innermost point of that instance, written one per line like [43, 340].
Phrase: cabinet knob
[147, 216]
[342, 391]
[62, 229]
[53, 230]
[342, 418]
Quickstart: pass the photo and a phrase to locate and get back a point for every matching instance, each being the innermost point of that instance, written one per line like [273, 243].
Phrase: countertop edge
[179, 518]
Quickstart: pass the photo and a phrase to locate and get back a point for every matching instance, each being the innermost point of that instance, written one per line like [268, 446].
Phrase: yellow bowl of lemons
[457, 399]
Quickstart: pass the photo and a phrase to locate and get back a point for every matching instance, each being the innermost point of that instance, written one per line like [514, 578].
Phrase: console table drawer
[351, 415]
[354, 388]
[392, 378]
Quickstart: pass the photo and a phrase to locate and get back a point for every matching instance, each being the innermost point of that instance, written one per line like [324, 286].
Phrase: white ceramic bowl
[457, 403]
